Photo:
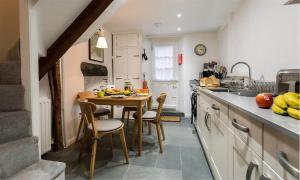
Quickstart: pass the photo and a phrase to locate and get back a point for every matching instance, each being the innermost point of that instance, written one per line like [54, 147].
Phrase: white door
[134, 67]
[120, 67]
[169, 87]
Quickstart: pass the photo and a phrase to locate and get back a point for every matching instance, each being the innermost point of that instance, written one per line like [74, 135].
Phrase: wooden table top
[108, 100]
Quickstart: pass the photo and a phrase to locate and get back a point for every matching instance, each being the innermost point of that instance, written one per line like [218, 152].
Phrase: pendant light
[101, 42]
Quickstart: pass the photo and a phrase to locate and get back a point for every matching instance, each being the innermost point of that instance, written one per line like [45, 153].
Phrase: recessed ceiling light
[179, 29]
[179, 15]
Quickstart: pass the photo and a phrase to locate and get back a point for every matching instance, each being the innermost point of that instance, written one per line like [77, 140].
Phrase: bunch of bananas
[287, 104]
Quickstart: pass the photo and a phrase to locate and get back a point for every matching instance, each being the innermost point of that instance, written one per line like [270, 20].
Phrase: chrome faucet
[242, 62]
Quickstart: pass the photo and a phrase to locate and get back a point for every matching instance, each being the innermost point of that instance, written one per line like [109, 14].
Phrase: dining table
[136, 101]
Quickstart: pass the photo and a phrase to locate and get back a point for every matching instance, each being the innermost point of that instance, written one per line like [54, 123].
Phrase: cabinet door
[221, 149]
[134, 63]
[246, 163]
[120, 63]
[205, 128]
[269, 173]
[282, 153]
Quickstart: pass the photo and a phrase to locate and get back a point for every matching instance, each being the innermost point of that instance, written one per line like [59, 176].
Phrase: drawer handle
[206, 119]
[264, 177]
[251, 166]
[240, 127]
[119, 78]
[118, 56]
[136, 78]
[284, 162]
[213, 106]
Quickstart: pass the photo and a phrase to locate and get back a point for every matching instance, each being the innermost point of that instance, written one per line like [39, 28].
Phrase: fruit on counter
[292, 99]
[276, 109]
[264, 100]
[127, 92]
[295, 113]
[138, 91]
[280, 102]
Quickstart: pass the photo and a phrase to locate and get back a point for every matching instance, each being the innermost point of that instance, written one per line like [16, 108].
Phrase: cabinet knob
[284, 162]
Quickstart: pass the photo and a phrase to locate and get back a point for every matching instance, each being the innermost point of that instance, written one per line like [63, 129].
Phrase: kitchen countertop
[285, 124]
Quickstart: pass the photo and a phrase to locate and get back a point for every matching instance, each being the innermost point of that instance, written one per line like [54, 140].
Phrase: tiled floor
[183, 158]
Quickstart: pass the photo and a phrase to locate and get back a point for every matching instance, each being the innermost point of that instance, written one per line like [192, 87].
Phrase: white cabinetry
[239, 147]
[127, 61]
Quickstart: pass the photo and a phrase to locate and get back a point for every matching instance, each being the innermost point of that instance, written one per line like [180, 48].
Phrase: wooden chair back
[84, 95]
[161, 100]
[87, 111]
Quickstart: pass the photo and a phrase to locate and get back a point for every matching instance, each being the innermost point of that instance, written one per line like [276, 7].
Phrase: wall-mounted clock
[200, 49]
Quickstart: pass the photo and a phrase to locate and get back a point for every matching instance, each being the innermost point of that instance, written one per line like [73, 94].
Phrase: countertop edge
[284, 130]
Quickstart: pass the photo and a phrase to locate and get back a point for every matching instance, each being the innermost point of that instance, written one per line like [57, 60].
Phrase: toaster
[287, 80]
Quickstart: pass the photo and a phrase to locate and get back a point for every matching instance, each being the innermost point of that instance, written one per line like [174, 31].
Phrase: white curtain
[164, 62]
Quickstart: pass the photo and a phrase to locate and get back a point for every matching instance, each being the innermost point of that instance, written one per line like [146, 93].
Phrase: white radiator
[45, 117]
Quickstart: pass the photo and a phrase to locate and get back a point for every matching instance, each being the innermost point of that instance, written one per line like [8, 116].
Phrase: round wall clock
[200, 49]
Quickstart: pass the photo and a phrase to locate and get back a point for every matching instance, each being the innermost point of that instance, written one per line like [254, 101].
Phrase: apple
[264, 100]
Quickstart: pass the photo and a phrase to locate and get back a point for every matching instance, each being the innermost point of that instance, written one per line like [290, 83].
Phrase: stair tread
[17, 155]
[42, 169]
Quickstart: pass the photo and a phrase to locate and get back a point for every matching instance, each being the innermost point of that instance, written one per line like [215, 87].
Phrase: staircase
[19, 155]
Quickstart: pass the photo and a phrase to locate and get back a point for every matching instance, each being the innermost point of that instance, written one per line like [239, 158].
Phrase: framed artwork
[95, 54]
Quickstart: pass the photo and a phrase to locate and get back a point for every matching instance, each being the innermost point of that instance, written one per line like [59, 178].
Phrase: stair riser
[12, 96]
[10, 73]
[14, 125]
[17, 155]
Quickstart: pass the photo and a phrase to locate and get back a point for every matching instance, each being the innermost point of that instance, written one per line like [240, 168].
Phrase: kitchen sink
[244, 92]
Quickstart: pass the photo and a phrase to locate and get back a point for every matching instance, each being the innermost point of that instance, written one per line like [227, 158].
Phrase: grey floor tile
[150, 173]
[170, 158]
[148, 159]
[194, 164]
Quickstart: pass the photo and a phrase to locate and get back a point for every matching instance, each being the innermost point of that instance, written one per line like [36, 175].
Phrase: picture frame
[95, 54]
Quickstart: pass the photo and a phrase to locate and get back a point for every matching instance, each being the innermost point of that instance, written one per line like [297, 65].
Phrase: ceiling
[197, 15]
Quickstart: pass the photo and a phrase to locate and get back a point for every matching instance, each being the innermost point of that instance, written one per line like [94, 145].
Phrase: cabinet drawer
[246, 163]
[247, 129]
[269, 173]
[276, 146]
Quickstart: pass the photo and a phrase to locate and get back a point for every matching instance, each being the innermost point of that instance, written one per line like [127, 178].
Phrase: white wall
[73, 82]
[193, 64]
[265, 34]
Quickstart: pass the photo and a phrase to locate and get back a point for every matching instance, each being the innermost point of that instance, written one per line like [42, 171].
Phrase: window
[163, 63]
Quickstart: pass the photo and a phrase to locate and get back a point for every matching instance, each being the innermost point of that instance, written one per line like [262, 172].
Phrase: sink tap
[242, 62]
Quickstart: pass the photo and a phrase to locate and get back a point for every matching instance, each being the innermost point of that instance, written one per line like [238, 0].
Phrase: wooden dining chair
[97, 130]
[153, 117]
[82, 96]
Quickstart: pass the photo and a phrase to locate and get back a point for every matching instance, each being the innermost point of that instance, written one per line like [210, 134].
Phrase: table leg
[140, 126]
[111, 111]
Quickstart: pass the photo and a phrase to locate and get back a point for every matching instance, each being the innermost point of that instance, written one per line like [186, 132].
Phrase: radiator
[45, 117]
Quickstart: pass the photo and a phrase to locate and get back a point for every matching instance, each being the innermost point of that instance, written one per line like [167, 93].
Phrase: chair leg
[162, 131]
[93, 157]
[111, 141]
[123, 116]
[83, 144]
[79, 128]
[134, 133]
[159, 137]
[124, 146]
[127, 123]
[149, 128]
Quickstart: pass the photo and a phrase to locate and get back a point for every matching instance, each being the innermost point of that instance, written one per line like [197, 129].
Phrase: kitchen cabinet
[238, 146]
[247, 129]
[127, 61]
[215, 136]
[247, 164]
[269, 173]
[281, 153]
